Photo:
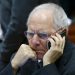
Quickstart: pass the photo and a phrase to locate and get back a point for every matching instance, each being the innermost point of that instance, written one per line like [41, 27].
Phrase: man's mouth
[40, 54]
[40, 51]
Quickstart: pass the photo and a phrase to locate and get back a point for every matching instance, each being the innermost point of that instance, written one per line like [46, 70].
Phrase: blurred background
[69, 7]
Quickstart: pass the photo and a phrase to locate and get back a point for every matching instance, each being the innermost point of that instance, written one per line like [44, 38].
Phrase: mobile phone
[48, 45]
[63, 33]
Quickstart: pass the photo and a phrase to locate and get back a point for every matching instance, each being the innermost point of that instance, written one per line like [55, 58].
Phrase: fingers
[63, 44]
[22, 55]
[33, 56]
[52, 42]
[56, 49]
[28, 52]
[57, 40]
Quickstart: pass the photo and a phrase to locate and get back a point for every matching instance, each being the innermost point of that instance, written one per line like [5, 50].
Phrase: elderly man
[47, 53]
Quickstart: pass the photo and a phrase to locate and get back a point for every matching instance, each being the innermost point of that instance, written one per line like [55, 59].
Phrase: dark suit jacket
[65, 65]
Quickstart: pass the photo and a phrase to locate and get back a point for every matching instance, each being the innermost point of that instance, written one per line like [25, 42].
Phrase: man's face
[39, 25]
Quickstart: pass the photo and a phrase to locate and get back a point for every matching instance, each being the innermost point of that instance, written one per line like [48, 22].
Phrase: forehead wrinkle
[41, 30]
[34, 28]
[44, 14]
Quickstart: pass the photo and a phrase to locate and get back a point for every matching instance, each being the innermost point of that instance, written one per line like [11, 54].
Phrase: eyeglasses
[42, 35]
[30, 35]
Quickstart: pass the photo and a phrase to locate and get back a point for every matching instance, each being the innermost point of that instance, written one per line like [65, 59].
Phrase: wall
[71, 34]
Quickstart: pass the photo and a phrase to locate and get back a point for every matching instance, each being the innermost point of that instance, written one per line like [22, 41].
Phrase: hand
[22, 55]
[56, 50]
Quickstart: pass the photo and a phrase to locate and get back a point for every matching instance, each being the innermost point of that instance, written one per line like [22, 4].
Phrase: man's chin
[40, 56]
[39, 53]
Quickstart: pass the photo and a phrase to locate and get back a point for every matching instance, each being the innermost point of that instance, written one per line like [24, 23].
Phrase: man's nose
[36, 40]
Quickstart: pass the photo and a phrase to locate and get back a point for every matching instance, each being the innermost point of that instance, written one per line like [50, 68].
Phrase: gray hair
[59, 16]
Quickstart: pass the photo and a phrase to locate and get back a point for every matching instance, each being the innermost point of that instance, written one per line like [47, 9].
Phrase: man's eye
[43, 36]
[30, 34]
